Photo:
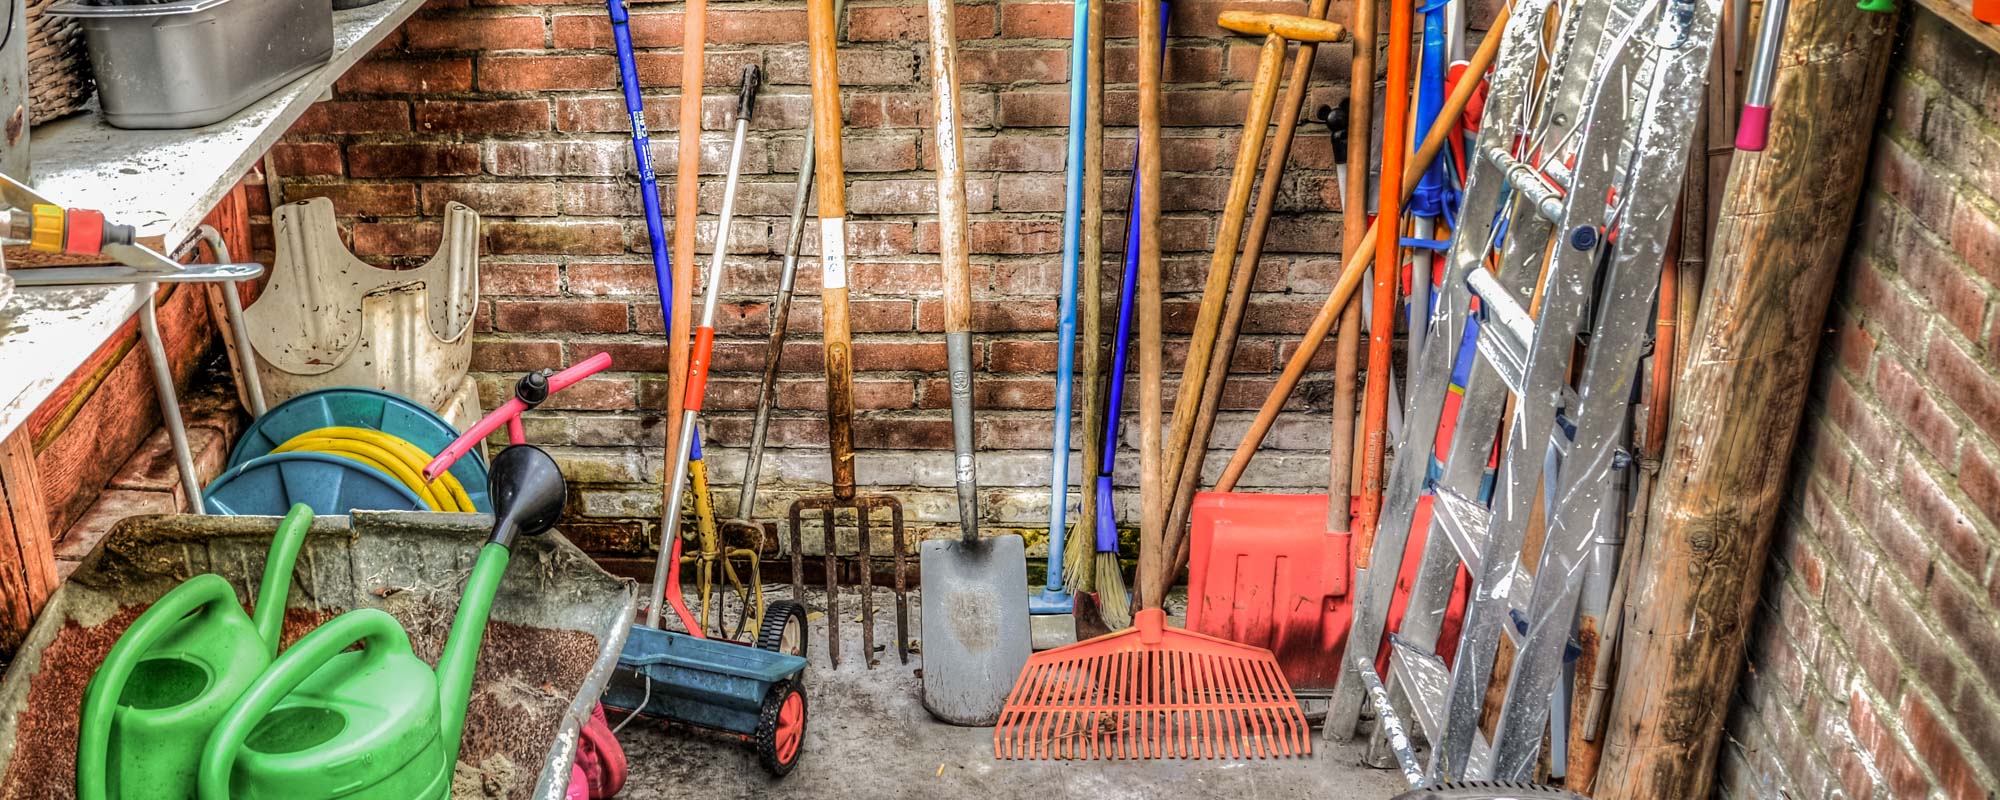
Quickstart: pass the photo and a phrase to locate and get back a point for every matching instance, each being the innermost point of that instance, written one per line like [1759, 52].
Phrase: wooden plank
[1777, 245]
[27, 551]
[107, 422]
[1959, 13]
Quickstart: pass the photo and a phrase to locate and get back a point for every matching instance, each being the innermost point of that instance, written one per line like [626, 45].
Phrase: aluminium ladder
[1572, 193]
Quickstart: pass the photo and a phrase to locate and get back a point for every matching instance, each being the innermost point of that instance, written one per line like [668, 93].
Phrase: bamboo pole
[1776, 245]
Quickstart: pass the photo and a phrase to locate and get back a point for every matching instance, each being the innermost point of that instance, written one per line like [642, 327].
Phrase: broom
[1078, 548]
[1091, 564]
[1151, 691]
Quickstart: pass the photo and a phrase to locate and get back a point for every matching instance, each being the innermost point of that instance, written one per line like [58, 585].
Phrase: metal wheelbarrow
[557, 627]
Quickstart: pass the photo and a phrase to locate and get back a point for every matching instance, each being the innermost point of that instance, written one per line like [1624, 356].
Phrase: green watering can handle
[269, 615]
[100, 700]
[380, 635]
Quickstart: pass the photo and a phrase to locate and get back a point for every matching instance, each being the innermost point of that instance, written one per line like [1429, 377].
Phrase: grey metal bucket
[556, 630]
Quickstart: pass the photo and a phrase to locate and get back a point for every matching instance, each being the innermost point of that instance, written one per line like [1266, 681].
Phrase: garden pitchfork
[831, 179]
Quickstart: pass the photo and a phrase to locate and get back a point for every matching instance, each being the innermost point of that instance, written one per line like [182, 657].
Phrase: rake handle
[1289, 108]
[1152, 560]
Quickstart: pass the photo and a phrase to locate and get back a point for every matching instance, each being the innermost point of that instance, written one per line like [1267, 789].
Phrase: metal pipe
[232, 301]
[666, 576]
[170, 404]
[1753, 132]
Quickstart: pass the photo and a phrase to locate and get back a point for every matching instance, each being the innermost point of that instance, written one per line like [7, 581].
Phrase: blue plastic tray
[331, 485]
[358, 407]
[714, 684]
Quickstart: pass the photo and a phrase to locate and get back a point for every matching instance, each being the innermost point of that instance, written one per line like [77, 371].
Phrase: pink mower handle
[509, 414]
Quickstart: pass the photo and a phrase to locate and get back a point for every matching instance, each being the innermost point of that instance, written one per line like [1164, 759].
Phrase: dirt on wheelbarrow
[521, 689]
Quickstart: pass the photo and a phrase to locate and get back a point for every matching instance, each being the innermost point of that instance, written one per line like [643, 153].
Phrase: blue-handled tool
[642, 153]
[1053, 599]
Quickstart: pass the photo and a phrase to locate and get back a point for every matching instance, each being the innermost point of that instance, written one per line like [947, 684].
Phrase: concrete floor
[869, 737]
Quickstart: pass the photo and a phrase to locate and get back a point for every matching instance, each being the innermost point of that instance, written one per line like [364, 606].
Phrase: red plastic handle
[1754, 132]
[508, 412]
[697, 383]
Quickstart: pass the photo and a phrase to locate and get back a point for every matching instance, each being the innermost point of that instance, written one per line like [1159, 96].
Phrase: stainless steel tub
[191, 63]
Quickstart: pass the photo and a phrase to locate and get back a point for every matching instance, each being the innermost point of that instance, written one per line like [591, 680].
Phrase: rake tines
[1151, 692]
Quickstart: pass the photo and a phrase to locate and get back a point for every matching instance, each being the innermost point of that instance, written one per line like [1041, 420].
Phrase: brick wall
[1875, 667]
[511, 107]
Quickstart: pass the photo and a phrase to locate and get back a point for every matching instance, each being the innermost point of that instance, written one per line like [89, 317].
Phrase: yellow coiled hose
[388, 454]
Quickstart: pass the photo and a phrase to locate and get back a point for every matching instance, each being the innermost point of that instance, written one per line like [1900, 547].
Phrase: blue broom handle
[1107, 517]
[649, 187]
[1079, 47]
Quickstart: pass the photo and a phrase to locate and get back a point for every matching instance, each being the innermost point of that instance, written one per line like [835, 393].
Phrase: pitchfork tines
[1152, 692]
[827, 508]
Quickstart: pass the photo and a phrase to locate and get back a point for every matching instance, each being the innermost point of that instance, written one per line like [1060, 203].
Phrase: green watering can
[328, 722]
[174, 673]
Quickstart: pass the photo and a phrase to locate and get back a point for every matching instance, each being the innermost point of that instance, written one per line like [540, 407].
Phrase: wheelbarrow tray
[555, 632]
[707, 682]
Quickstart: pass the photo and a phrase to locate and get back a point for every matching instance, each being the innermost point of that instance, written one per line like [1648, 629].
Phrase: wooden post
[1777, 244]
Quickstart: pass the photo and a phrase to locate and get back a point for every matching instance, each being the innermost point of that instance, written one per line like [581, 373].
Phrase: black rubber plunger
[527, 490]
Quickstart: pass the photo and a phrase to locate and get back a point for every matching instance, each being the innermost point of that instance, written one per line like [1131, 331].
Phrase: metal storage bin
[190, 63]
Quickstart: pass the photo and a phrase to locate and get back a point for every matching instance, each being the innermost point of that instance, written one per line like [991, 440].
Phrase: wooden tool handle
[831, 176]
[1289, 26]
[1357, 262]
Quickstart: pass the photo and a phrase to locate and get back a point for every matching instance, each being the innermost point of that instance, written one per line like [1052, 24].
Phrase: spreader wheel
[781, 728]
[784, 628]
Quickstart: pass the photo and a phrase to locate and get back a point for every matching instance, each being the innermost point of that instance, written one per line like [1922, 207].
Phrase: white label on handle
[833, 253]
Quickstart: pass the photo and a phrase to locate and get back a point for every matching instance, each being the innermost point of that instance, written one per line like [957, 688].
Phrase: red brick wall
[511, 107]
[1875, 669]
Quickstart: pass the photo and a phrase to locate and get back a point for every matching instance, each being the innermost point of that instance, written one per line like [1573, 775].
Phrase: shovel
[975, 602]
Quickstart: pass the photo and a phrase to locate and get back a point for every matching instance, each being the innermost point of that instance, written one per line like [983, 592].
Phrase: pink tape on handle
[508, 414]
[1755, 130]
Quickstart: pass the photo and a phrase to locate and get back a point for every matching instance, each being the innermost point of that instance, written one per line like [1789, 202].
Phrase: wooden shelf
[1959, 13]
[161, 182]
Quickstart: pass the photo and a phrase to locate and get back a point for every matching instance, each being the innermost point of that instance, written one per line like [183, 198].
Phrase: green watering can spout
[329, 722]
[174, 673]
[528, 494]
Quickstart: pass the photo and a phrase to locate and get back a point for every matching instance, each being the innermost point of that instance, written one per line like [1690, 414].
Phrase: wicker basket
[59, 79]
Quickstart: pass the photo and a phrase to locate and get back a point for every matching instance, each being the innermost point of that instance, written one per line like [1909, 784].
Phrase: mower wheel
[781, 728]
[784, 629]
[1488, 790]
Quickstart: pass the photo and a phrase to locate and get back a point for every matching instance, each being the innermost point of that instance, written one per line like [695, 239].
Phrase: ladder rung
[1424, 679]
[1506, 331]
[1463, 521]
[1530, 182]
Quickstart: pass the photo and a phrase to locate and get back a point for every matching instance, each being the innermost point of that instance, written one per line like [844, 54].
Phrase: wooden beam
[1777, 244]
[27, 550]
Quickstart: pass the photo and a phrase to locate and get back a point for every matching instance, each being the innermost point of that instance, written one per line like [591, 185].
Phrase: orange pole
[687, 196]
[1382, 319]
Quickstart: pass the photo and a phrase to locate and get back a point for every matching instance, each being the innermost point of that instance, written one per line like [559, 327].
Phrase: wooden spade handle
[1289, 26]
